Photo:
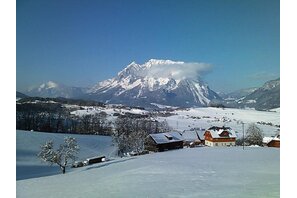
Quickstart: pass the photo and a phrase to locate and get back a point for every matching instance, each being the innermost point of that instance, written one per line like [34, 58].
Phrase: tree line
[53, 117]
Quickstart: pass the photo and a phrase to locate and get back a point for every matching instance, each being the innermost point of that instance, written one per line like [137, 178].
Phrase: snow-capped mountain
[265, 97]
[53, 89]
[156, 81]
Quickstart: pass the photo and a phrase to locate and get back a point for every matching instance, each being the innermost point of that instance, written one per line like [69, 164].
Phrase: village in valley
[137, 131]
[138, 143]
[117, 150]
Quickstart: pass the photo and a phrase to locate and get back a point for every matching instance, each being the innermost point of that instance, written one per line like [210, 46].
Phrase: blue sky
[80, 43]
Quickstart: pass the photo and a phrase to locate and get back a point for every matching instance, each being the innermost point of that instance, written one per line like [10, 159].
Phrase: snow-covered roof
[161, 138]
[190, 135]
[276, 138]
[193, 135]
[216, 132]
[200, 134]
[269, 139]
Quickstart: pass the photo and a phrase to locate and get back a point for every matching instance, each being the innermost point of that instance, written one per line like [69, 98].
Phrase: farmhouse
[219, 136]
[163, 141]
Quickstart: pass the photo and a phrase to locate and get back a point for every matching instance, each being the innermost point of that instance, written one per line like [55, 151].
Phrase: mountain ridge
[53, 89]
[163, 82]
[144, 84]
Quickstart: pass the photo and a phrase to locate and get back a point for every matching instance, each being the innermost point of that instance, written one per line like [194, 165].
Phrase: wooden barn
[219, 136]
[163, 141]
[275, 142]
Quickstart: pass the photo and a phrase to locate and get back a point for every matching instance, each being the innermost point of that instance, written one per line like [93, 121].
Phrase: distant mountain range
[20, 95]
[53, 90]
[238, 94]
[136, 86]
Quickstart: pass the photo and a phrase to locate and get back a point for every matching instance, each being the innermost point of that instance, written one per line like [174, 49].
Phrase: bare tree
[130, 134]
[254, 135]
[61, 156]
[164, 127]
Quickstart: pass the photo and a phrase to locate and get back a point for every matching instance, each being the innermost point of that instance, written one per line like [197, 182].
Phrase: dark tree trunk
[63, 169]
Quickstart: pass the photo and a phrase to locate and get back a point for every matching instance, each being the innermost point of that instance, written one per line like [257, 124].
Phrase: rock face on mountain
[52, 90]
[153, 82]
[262, 98]
[265, 97]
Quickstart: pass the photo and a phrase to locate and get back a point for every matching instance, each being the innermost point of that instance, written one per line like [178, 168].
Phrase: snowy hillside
[197, 172]
[156, 81]
[28, 145]
[235, 95]
[265, 97]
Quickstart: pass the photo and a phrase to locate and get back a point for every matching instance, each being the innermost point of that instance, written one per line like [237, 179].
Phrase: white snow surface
[210, 116]
[203, 172]
[28, 145]
[160, 106]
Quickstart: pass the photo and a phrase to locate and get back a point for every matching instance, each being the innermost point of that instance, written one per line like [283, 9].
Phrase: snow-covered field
[197, 172]
[193, 172]
[205, 117]
[209, 116]
[28, 145]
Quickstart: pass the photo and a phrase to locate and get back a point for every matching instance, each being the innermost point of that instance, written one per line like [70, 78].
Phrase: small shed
[275, 142]
[95, 160]
[163, 141]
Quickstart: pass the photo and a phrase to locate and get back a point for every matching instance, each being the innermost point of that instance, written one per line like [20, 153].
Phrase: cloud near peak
[178, 70]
